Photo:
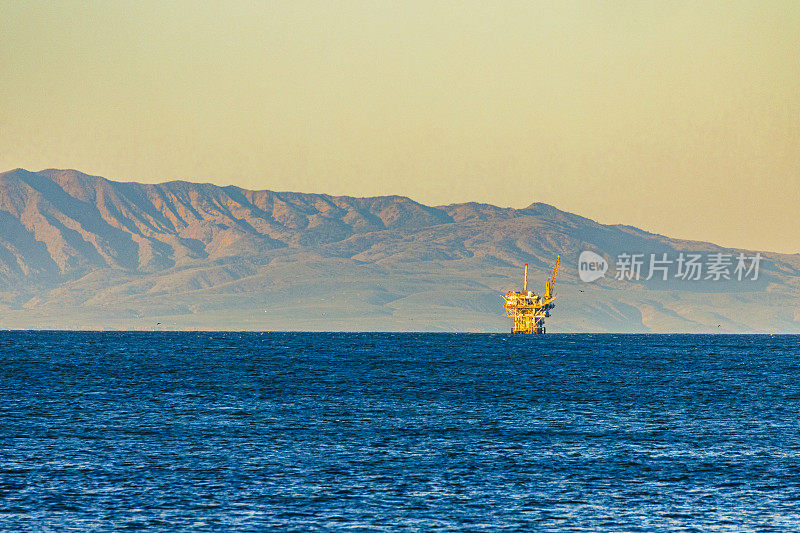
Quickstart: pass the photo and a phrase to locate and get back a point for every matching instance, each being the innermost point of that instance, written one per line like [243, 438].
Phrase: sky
[680, 117]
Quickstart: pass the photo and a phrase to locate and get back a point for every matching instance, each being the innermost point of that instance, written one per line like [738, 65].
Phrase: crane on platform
[529, 309]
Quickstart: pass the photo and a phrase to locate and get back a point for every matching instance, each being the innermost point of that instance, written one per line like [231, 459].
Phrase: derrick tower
[529, 309]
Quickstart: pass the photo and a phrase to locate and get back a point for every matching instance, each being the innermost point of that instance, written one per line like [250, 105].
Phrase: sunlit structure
[529, 309]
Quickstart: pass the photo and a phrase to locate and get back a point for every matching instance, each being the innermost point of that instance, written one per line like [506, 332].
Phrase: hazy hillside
[83, 251]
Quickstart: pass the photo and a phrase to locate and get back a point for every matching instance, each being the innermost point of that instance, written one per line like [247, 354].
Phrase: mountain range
[81, 251]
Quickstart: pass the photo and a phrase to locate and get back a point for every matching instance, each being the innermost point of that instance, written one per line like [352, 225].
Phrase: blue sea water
[398, 432]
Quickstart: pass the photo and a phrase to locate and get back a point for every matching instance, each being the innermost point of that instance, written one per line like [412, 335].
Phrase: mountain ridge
[125, 254]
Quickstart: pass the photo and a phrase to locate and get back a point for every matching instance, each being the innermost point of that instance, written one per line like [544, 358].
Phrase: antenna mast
[525, 283]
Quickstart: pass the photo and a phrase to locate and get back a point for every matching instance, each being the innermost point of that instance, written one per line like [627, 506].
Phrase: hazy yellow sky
[681, 118]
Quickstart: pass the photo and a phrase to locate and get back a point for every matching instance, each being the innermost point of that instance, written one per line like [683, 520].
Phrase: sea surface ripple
[398, 432]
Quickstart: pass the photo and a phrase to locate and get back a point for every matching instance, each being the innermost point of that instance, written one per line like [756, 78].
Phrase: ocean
[398, 432]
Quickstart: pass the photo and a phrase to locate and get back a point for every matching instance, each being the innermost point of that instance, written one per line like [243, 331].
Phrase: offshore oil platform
[529, 309]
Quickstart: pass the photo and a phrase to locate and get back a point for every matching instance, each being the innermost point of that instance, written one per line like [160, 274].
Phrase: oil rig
[529, 309]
